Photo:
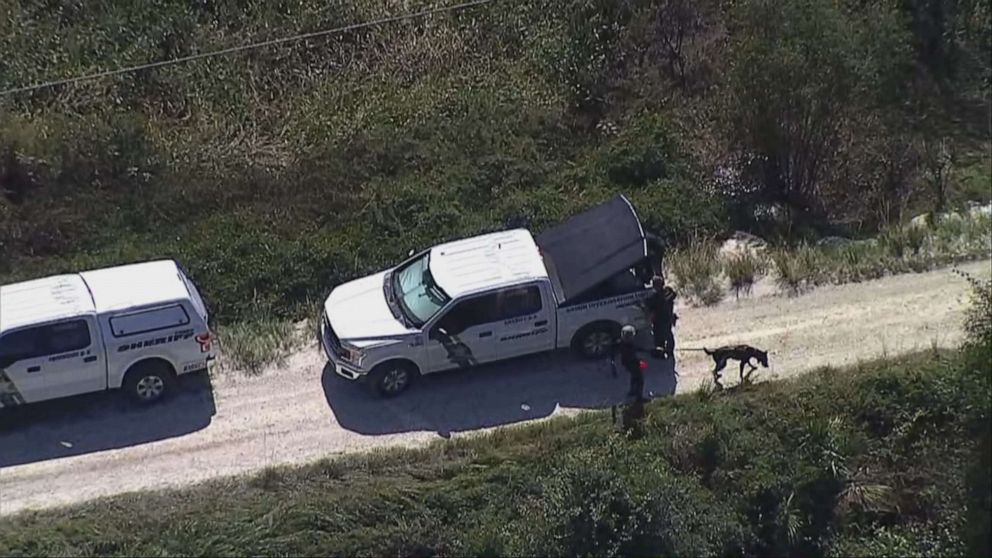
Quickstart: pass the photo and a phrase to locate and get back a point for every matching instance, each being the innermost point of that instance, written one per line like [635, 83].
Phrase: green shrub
[743, 269]
[977, 235]
[903, 241]
[854, 262]
[894, 241]
[798, 269]
[696, 268]
[916, 238]
[978, 319]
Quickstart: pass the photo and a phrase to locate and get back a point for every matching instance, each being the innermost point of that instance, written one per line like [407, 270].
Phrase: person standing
[652, 265]
[660, 306]
[627, 350]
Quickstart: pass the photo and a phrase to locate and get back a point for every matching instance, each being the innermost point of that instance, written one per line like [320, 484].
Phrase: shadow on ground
[490, 395]
[101, 421]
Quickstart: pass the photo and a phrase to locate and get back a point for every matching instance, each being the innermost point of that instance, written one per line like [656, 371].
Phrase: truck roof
[133, 285]
[43, 300]
[487, 261]
[115, 288]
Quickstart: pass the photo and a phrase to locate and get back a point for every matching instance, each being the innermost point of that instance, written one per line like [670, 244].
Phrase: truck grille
[331, 339]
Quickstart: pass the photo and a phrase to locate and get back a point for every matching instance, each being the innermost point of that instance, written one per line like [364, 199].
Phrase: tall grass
[798, 269]
[251, 346]
[696, 268]
[743, 269]
[898, 249]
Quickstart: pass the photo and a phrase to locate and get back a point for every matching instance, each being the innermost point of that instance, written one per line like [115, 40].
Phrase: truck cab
[135, 327]
[483, 299]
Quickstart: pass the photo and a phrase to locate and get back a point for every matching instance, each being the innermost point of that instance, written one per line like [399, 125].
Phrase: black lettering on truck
[176, 336]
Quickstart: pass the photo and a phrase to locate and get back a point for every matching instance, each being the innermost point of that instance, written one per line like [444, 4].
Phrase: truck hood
[359, 314]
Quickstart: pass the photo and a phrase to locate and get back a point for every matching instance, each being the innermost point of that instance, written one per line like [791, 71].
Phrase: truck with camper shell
[492, 297]
[134, 327]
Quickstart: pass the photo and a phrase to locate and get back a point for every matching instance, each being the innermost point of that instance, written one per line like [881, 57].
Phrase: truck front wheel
[149, 382]
[594, 341]
[391, 378]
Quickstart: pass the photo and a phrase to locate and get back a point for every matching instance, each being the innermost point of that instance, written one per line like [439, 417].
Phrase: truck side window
[514, 303]
[147, 321]
[67, 336]
[22, 345]
[44, 340]
[469, 313]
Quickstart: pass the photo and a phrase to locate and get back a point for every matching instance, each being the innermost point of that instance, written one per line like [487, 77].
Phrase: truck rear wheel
[594, 341]
[389, 379]
[149, 382]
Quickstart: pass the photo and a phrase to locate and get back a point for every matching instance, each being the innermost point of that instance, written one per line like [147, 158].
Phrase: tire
[593, 341]
[390, 379]
[149, 382]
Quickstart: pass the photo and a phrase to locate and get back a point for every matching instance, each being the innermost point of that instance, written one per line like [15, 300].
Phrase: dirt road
[89, 447]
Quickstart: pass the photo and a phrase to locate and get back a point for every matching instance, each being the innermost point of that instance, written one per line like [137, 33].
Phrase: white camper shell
[492, 297]
[135, 327]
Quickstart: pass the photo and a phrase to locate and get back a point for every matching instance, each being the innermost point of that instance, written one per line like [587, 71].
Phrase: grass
[251, 346]
[898, 249]
[797, 270]
[742, 270]
[877, 460]
[696, 269]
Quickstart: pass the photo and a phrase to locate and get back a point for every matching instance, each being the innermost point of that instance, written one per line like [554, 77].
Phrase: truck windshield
[419, 296]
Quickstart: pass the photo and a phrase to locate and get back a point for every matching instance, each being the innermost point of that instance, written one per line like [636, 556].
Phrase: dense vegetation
[275, 173]
[880, 460]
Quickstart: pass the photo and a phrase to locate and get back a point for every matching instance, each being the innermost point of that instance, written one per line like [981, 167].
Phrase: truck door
[20, 377]
[76, 362]
[527, 322]
[49, 361]
[465, 335]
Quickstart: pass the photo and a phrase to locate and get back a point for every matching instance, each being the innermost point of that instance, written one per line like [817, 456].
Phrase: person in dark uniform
[661, 311]
[627, 350]
[656, 251]
[652, 265]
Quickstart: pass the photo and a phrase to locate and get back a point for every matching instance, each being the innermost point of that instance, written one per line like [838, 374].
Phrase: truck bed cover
[591, 247]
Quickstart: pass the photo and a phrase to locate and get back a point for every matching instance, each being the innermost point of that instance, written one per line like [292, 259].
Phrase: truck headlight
[354, 355]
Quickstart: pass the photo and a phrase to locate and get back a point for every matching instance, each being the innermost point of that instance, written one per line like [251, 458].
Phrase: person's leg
[658, 336]
[636, 383]
[670, 343]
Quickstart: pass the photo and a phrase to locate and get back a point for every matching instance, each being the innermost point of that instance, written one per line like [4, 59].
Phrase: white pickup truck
[492, 297]
[135, 327]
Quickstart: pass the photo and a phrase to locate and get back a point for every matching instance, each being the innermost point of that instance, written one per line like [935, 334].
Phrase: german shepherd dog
[742, 353]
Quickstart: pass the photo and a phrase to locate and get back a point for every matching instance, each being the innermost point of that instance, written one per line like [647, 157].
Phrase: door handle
[91, 358]
[541, 323]
[34, 369]
[486, 334]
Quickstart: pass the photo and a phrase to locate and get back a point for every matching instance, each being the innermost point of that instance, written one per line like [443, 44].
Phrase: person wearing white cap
[627, 350]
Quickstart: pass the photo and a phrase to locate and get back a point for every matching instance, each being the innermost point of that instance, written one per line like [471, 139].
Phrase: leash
[703, 349]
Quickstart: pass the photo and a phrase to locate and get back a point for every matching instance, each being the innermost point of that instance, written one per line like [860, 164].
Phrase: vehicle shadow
[491, 395]
[101, 421]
